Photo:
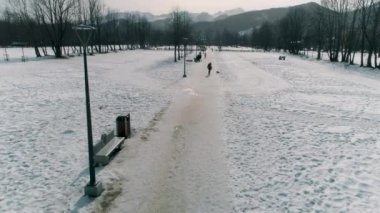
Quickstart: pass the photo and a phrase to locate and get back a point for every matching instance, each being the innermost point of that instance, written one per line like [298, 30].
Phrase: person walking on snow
[209, 67]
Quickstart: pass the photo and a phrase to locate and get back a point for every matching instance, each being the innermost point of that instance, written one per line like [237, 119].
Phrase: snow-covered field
[43, 141]
[15, 54]
[309, 143]
[295, 135]
[325, 57]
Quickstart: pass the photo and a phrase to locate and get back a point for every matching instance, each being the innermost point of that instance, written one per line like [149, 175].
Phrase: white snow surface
[263, 135]
[43, 132]
[312, 146]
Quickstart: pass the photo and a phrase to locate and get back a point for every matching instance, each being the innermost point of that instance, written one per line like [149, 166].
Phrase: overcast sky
[210, 6]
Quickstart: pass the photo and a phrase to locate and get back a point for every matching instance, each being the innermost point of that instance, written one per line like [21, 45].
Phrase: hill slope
[245, 21]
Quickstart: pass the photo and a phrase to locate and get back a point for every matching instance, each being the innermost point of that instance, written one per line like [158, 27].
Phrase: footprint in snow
[68, 132]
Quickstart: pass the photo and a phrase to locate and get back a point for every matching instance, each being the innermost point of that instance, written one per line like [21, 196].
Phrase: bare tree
[293, 30]
[113, 28]
[22, 10]
[349, 32]
[376, 33]
[318, 23]
[336, 24]
[55, 15]
[143, 31]
[175, 25]
[6, 26]
[180, 27]
[370, 33]
[364, 19]
[96, 8]
[263, 37]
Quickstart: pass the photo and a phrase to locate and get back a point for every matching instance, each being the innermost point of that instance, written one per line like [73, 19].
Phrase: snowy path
[184, 169]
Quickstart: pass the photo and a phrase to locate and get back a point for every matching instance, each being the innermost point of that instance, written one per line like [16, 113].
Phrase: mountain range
[196, 17]
[235, 20]
[244, 22]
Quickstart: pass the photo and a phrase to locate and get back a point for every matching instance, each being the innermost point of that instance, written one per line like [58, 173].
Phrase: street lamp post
[6, 54]
[23, 59]
[184, 56]
[93, 188]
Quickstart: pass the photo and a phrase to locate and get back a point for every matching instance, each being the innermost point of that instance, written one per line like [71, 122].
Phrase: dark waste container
[123, 126]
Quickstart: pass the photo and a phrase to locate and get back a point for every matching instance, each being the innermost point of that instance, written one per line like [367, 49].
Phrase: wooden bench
[102, 157]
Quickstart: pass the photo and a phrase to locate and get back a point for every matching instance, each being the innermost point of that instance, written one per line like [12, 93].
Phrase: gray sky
[211, 6]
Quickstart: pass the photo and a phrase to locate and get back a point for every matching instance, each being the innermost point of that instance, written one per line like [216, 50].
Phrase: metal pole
[23, 54]
[89, 124]
[6, 55]
[184, 61]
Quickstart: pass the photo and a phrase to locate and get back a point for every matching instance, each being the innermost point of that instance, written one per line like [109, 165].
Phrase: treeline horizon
[345, 29]
[342, 28]
[49, 23]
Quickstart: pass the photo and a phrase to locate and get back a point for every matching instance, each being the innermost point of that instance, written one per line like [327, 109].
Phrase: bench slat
[102, 156]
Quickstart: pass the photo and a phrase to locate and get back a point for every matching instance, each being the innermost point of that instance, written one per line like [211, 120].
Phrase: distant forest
[345, 29]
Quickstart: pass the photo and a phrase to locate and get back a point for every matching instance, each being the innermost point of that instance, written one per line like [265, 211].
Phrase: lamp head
[84, 33]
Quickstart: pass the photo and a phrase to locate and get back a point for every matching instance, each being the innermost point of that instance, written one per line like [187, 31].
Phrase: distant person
[205, 55]
[198, 58]
[209, 67]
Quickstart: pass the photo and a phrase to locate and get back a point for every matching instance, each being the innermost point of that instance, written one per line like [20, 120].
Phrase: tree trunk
[362, 51]
[175, 53]
[369, 59]
[376, 65]
[37, 51]
[178, 54]
[58, 51]
[44, 51]
[352, 58]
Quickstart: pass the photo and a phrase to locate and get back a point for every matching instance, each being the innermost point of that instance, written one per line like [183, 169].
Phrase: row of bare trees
[47, 19]
[180, 30]
[349, 26]
[342, 28]
[42, 23]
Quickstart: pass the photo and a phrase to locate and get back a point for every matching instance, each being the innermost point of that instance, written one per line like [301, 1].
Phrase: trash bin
[123, 126]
